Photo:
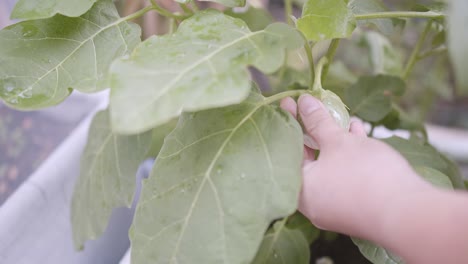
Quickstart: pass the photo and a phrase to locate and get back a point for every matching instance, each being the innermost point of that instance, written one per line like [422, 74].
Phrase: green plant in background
[225, 183]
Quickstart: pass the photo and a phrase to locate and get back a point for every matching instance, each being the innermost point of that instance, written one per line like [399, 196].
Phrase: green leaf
[203, 65]
[38, 9]
[417, 155]
[158, 135]
[439, 39]
[399, 119]
[371, 96]
[383, 56]
[435, 7]
[376, 254]
[107, 177]
[288, 78]
[420, 155]
[458, 41]
[451, 170]
[223, 175]
[283, 245]
[339, 78]
[326, 19]
[360, 7]
[255, 18]
[41, 60]
[435, 177]
[298, 221]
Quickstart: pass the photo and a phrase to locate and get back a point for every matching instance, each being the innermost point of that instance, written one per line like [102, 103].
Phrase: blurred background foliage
[430, 96]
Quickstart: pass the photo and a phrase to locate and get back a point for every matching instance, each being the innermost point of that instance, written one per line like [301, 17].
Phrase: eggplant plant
[227, 175]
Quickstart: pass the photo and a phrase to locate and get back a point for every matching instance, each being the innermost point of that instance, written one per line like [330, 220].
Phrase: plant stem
[138, 13]
[164, 12]
[279, 96]
[310, 58]
[399, 14]
[317, 87]
[172, 25]
[288, 11]
[186, 8]
[371, 132]
[414, 55]
[330, 55]
[195, 6]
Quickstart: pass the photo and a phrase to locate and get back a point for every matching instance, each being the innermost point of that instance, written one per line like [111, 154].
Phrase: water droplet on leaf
[13, 100]
[9, 87]
[29, 31]
[26, 93]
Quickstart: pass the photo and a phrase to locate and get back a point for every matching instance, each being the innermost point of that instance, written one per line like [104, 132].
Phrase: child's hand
[355, 179]
[362, 187]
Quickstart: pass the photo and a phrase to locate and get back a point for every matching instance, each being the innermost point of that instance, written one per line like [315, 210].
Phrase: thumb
[318, 123]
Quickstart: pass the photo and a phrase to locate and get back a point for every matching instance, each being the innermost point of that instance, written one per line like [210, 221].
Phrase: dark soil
[340, 250]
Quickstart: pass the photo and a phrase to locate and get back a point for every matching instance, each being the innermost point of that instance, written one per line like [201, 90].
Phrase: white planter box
[35, 221]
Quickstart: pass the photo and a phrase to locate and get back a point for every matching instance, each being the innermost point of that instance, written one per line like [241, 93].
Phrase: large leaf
[399, 119]
[298, 221]
[371, 96]
[435, 177]
[283, 245]
[158, 135]
[437, 7]
[379, 255]
[375, 253]
[255, 18]
[458, 41]
[37, 9]
[326, 19]
[383, 56]
[361, 7]
[288, 78]
[420, 155]
[222, 177]
[339, 78]
[203, 65]
[107, 177]
[41, 60]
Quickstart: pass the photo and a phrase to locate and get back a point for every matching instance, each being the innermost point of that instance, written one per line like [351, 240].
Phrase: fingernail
[308, 104]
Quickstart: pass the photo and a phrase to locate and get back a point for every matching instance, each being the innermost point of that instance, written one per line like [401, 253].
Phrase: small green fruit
[337, 110]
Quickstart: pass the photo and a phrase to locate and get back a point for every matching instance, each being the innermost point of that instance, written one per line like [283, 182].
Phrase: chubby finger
[357, 128]
[288, 104]
[318, 123]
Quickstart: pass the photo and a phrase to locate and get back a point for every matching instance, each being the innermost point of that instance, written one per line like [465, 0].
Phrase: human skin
[362, 187]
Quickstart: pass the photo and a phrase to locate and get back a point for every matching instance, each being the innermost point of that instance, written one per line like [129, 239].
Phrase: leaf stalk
[288, 11]
[310, 58]
[317, 87]
[331, 52]
[155, 6]
[417, 49]
[291, 93]
[399, 14]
